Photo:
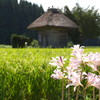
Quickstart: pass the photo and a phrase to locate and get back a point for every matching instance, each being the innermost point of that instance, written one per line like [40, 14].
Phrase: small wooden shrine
[53, 28]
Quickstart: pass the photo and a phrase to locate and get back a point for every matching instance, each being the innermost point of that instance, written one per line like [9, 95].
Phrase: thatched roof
[52, 18]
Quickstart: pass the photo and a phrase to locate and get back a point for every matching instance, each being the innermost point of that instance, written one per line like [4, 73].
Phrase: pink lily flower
[58, 61]
[74, 63]
[93, 80]
[75, 80]
[92, 60]
[77, 52]
[57, 74]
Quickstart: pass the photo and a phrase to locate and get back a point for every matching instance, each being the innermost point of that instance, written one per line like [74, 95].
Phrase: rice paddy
[25, 74]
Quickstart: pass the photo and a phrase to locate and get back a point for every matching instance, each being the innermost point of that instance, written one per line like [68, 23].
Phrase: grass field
[25, 74]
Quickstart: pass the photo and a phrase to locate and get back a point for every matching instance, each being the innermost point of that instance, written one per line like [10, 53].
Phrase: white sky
[69, 3]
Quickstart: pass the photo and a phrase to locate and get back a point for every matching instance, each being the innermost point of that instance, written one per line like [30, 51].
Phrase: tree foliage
[72, 33]
[88, 20]
[15, 17]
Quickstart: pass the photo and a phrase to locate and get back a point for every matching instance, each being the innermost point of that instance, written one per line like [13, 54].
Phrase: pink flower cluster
[92, 60]
[77, 71]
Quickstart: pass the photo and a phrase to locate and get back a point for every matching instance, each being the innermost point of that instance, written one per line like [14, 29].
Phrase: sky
[69, 3]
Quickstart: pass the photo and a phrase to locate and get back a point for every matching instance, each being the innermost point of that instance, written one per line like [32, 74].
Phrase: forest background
[16, 16]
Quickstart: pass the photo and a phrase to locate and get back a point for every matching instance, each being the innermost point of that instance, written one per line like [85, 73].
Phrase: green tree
[15, 17]
[72, 33]
[5, 20]
[88, 20]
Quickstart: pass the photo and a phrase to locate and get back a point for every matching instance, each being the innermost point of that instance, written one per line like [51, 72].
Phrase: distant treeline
[15, 17]
[88, 20]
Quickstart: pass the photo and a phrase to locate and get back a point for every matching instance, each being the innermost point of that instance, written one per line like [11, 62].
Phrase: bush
[70, 44]
[19, 41]
[34, 44]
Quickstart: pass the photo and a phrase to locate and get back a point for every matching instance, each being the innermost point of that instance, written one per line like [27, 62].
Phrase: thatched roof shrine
[53, 17]
[53, 28]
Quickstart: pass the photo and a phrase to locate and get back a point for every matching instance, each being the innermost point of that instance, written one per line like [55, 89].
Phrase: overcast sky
[69, 3]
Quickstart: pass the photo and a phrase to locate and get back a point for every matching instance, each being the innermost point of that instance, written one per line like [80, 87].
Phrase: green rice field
[25, 74]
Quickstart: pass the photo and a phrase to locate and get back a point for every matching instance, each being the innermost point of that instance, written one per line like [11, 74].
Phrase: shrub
[70, 44]
[19, 41]
[34, 44]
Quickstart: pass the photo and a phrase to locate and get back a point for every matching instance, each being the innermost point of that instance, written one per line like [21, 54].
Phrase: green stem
[77, 93]
[62, 89]
[99, 94]
[84, 94]
[69, 93]
[93, 93]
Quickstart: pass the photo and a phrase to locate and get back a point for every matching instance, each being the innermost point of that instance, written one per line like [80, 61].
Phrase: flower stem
[93, 93]
[84, 94]
[69, 93]
[99, 94]
[62, 89]
[77, 93]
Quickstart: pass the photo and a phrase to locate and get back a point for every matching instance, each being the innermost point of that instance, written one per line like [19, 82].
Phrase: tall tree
[88, 20]
[6, 19]
[72, 33]
[15, 17]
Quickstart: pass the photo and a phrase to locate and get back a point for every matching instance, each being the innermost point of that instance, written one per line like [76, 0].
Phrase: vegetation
[20, 41]
[88, 20]
[5, 46]
[15, 17]
[35, 44]
[25, 74]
